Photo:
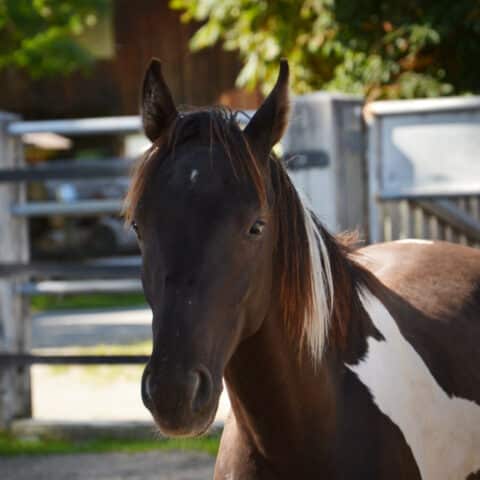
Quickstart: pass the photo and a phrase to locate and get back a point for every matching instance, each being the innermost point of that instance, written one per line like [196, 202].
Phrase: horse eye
[257, 228]
[135, 228]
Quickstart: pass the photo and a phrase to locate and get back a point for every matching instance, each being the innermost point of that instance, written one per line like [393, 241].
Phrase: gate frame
[15, 323]
[15, 266]
[417, 209]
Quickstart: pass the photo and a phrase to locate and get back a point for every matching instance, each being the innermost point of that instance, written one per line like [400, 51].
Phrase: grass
[12, 446]
[41, 303]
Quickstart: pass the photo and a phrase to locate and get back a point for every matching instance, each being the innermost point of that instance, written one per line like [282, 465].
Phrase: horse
[340, 362]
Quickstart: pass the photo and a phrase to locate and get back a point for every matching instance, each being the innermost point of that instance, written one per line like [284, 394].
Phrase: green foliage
[381, 49]
[12, 446]
[40, 36]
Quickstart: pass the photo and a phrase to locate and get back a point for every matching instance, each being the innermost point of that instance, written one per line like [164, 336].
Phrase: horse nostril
[146, 389]
[202, 390]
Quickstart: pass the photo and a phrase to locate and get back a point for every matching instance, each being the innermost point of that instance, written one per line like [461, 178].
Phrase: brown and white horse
[339, 364]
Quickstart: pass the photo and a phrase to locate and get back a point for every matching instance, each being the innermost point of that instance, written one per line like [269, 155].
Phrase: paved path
[110, 466]
[91, 327]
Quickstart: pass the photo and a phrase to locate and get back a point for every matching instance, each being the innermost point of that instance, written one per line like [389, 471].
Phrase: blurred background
[384, 138]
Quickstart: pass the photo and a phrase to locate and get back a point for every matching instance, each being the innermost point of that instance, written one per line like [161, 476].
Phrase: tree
[378, 48]
[40, 36]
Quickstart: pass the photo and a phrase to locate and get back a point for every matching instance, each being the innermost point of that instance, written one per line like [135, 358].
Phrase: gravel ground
[110, 466]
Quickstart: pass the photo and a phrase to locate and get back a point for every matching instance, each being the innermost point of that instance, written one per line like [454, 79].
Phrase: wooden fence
[441, 217]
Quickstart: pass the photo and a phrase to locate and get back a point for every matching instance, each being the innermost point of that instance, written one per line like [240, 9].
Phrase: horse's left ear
[268, 124]
[157, 108]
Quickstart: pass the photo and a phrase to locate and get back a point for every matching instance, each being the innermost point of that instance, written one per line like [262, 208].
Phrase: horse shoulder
[437, 278]
[433, 294]
[424, 373]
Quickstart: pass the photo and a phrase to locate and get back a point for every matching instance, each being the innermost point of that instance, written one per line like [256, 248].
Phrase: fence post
[15, 335]
[374, 179]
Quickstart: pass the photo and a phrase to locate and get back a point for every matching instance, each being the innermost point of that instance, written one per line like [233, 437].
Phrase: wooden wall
[143, 29]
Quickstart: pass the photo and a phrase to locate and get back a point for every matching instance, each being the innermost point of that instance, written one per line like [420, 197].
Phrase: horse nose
[164, 393]
[203, 389]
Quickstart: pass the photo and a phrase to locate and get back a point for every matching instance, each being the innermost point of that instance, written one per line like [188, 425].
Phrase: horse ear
[156, 105]
[268, 124]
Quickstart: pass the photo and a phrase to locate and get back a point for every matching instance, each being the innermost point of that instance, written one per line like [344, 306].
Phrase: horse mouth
[175, 426]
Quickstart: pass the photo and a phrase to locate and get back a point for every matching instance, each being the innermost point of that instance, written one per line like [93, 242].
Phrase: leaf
[205, 36]
[389, 49]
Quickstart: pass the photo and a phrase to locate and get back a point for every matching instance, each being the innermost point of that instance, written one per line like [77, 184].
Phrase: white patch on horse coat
[443, 432]
[322, 286]
[415, 240]
[193, 175]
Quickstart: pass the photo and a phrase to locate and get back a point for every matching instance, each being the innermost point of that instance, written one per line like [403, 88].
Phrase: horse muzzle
[182, 403]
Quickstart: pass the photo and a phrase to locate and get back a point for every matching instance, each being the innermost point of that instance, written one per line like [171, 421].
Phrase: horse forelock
[222, 126]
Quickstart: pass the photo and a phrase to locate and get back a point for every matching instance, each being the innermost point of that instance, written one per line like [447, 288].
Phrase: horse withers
[340, 363]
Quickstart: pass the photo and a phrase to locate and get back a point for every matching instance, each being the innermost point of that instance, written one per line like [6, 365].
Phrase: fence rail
[65, 170]
[80, 287]
[67, 270]
[23, 360]
[82, 126]
[75, 208]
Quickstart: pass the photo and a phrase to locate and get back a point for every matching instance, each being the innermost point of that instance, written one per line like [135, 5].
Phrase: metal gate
[424, 170]
[20, 278]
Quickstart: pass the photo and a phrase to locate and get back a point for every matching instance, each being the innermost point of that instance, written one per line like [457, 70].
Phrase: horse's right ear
[156, 104]
[268, 124]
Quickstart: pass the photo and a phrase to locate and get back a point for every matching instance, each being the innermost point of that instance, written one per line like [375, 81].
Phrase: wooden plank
[385, 234]
[417, 218]
[67, 270]
[108, 168]
[79, 207]
[79, 126]
[376, 211]
[404, 220]
[433, 227]
[24, 360]
[428, 193]
[453, 216]
[70, 287]
[475, 207]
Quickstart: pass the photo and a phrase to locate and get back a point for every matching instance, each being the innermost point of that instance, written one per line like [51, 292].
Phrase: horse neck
[277, 394]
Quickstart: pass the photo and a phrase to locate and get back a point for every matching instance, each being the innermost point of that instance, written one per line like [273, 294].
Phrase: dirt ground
[110, 466]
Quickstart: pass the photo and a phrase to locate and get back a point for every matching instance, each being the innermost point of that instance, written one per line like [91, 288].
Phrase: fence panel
[14, 314]
[19, 278]
[439, 218]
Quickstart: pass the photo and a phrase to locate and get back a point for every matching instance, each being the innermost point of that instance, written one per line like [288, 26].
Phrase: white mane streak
[317, 327]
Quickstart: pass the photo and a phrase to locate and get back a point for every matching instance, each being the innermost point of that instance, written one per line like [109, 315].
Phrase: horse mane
[307, 258]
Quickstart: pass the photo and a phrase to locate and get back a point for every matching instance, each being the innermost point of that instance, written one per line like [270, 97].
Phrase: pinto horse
[340, 363]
